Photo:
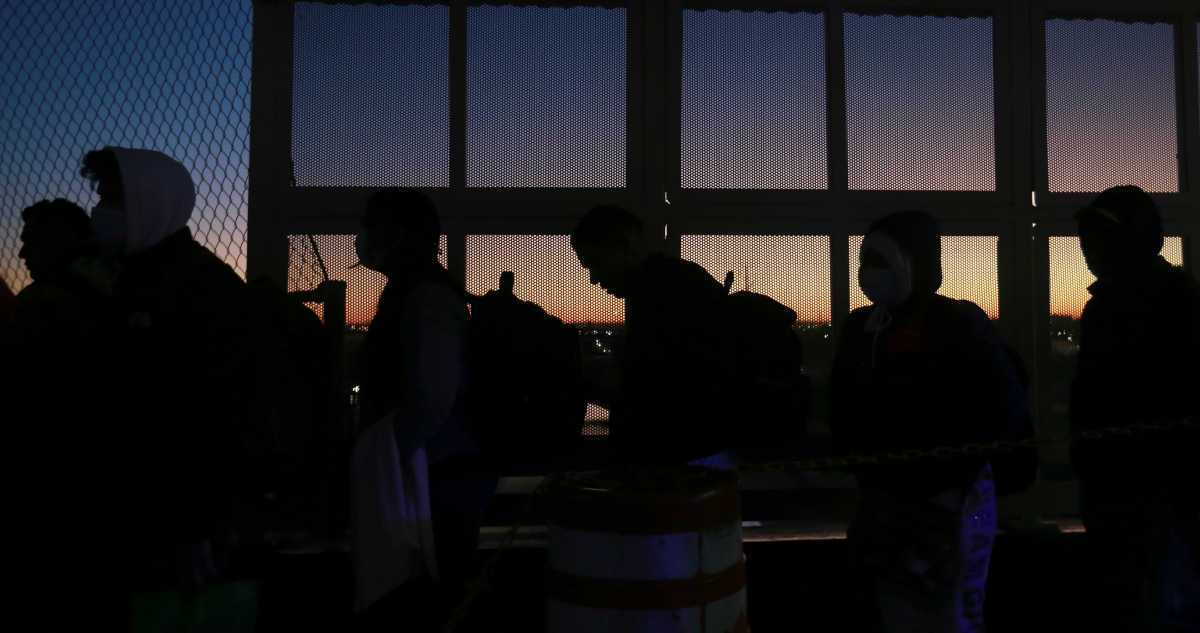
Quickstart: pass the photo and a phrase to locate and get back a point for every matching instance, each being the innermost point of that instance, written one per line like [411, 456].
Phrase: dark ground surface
[1039, 581]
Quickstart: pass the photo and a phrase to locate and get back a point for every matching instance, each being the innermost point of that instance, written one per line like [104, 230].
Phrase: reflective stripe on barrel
[641, 561]
[623, 595]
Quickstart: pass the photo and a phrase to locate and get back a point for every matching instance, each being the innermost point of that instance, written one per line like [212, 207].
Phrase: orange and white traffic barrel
[646, 552]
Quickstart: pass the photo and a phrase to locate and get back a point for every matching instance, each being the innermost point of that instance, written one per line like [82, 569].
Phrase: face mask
[110, 227]
[372, 259]
[881, 285]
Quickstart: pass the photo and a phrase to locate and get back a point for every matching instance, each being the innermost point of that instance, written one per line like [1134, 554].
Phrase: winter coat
[937, 375]
[672, 404]
[1139, 361]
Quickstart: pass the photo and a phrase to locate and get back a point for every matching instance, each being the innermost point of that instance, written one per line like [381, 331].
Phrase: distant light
[355, 390]
[826, 336]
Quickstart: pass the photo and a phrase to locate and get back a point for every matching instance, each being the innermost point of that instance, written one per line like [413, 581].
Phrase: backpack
[525, 397]
[771, 394]
[295, 441]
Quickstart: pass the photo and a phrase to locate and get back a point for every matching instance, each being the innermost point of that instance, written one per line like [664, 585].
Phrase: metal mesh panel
[547, 272]
[77, 76]
[1110, 105]
[753, 102]
[545, 97]
[363, 285]
[792, 269]
[969, 271]
[919, 103]
[371, 96]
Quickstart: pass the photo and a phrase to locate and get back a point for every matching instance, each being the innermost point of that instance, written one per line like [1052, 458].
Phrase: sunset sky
[371, 105]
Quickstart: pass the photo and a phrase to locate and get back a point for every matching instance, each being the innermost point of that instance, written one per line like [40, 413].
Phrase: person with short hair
[672, 404]
[415, 521]
[917, 370]
[1138, 362]
[61, 353]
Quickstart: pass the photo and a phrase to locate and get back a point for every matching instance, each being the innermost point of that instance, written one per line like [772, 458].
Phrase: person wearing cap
[184, 363]
[917, 370]
[1139, 361]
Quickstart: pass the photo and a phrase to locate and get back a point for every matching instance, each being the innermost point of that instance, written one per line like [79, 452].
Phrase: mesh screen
[969, 271]
[792, 269]
[371, 96]
[753, 101]
[363, 285]
[1110, 105]
[595, 421]
[77, 76]
[919, 103]
[547, 272]
[545, 97]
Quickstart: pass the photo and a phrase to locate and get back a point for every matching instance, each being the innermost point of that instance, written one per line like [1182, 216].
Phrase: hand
[197, 566]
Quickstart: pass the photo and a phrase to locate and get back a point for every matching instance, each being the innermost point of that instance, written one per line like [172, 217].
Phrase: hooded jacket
[186, 354]
[935, 375]
[1139, 359]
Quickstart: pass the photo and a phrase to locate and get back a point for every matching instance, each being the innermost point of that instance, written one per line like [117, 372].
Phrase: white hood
[159, 196]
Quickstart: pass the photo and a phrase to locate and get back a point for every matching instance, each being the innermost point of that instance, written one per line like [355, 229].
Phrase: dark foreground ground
[1041, 580]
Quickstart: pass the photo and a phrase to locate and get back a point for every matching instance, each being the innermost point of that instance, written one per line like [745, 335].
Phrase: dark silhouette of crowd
[154, 373]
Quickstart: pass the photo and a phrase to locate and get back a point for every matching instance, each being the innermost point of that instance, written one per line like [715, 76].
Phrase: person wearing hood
[671, 404]
[184, 359]
[917, 370]
[415, 522]
[1138, 351]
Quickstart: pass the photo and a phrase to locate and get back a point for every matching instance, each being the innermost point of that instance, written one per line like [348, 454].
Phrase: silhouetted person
[672, 402]
[64, 360]
[412, 380]
[1139, 361]
[917, 370]
[185, 370]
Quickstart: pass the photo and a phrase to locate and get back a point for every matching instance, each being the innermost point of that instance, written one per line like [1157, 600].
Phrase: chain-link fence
[169, 75]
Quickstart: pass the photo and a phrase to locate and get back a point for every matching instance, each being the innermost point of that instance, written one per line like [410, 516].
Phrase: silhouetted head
[53, 235]
[901, 258]
[611, 244]
[1119, 231]
[145, 197]
[101, 167]
[400, 227]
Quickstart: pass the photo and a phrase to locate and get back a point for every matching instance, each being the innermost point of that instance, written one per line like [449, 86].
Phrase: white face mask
[111, 227]
[372, 259]
[881, 285]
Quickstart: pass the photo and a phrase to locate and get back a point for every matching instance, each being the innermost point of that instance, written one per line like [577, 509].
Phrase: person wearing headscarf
[917, 370]
[183, 362]
[1139, 361]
